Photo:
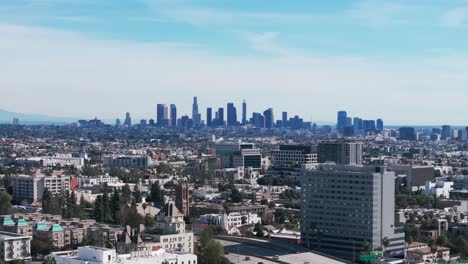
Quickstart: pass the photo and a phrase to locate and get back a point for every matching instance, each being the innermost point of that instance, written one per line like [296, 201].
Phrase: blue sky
[403, 61]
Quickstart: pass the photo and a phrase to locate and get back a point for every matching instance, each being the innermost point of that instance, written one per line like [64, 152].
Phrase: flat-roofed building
[15, 247]
[343, 206]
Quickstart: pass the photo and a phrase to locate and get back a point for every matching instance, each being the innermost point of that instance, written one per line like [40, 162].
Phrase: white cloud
[378, 13]
[69, 74]
[455, 17]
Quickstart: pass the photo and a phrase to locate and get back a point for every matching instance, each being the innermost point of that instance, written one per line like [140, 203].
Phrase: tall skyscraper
[162, 115]
[269, 119]
[357, 124]
[117, 122]
[407, 133]
[173, 115]
[196, 116]
[368, 125]
[380, 124]
[340, 152]
[341, 121]
[194, 106]
[220, 117]
[209, 116]
[244, 112]
[446, 132]
[231, 115]
[285, 119]
[257, 120]
[128, 120]
[344, 206]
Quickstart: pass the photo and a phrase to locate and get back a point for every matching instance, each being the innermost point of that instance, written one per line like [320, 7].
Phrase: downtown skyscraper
[196, 116]
[244, 112]
[231, 115]
[173, 110]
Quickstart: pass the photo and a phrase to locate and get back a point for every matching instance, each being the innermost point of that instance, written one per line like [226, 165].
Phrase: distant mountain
[6, 117]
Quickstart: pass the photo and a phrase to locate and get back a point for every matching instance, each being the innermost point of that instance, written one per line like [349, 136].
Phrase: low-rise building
[15, 247]
[98, 255]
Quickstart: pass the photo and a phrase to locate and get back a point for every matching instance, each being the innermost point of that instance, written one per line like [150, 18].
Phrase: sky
[403, 61]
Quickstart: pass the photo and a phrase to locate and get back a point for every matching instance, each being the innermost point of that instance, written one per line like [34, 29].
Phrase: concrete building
[98, 255]
[294, 156]
[230, 220]
[438, 188]
[98, 180]
[235, 155]
[15, 247]
[416, 176]
[63, 160]
[170, 230]
[127, 161]
[343, 206]
[30, 188]
[340, 152]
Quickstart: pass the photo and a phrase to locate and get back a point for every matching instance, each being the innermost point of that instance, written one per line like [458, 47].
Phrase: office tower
[407, 133]
[446, 132]
[257, 120]
[285, 119]
[231, 115]
[209, 117]
[296, 122]
[269, 119]
[244, 112]
[368, 125]
[220, 117]
[128, 120]
[162, 115]
[380, 124]
[117, 122]
[194, 106]
[173, 115]
[16, 121]
[343, 206]
[340, 152]
[183, 198]
[196, 116]
[151, 122]
[143, 123]
[341, 121]
[357, 124]
[287, 157]
[349, 122]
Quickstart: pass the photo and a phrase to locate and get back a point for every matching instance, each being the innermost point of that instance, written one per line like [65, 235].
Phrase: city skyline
[370, 58]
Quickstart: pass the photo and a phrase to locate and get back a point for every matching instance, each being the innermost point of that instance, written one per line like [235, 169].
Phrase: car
[247, 258]
[275, 257]
[260, 262]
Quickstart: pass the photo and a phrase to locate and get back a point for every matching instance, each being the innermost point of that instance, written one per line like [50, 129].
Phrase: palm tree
[385, 244]
[50, 260]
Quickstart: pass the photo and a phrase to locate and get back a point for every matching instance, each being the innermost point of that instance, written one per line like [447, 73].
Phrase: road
[238, 252]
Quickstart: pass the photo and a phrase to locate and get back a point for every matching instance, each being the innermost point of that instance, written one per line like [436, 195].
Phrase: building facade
[343, 206]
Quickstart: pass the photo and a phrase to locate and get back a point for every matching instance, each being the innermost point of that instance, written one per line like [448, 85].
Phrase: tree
[99, 209]
[366, 247]
[157, 195]
[385, 244]
[236, 195]
[107, 212]
[213, 253]
[259, 229]
[205, 237]
[126, 194]
[137, 194]
[50, 260]
[41, 247]
[5, 203]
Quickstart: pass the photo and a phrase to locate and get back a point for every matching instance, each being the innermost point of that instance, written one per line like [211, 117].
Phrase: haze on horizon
[404, 62]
